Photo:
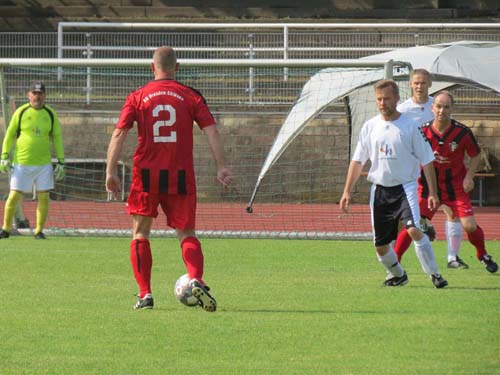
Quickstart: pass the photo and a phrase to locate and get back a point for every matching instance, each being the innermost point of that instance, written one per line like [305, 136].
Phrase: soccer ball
[183, 292]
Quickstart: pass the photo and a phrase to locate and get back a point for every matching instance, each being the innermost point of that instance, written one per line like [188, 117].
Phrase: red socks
[142, 262]
[193, 257]
[476, 238]
[402, 244]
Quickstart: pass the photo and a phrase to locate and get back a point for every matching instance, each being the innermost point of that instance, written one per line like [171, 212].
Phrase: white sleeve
[402, 107]
[422, 147]
[362, 152]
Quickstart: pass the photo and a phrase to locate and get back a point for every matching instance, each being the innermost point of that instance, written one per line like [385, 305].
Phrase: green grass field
[285, 307]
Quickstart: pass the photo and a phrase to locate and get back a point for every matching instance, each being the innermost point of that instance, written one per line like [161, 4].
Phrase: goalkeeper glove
[5, 163]
[59, 171]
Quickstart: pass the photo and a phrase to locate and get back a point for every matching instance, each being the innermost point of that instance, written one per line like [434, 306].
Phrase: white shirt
[421, 113]
[396, 149]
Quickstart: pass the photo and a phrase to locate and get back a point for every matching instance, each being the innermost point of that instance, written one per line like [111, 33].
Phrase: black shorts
[389, 205]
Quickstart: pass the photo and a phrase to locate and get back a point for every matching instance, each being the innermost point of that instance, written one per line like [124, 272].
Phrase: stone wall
[487, 132]
[312, 169]
[327, 139]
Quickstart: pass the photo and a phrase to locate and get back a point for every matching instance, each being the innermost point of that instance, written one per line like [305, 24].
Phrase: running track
[233, 217]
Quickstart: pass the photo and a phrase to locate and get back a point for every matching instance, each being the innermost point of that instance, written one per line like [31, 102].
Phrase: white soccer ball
[183, 292]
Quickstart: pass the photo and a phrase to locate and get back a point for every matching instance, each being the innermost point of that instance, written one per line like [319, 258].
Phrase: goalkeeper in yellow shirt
[32, 128]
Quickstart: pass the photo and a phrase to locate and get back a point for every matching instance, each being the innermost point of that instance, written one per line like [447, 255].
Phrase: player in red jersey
[450, 141]
[163, 171]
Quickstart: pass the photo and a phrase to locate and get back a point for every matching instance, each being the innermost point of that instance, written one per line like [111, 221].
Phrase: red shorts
[461, 207]
[179, 209]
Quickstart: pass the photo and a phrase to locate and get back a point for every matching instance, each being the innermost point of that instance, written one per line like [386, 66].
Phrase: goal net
[298, 194]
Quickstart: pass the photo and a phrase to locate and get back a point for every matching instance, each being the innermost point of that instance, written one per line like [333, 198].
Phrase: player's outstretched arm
[353, 174]
[115, 148]
[468, 183]
[224, 175]
[430, 176]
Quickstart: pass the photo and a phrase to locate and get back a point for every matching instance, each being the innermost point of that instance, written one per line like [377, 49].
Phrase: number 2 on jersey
[158, 124]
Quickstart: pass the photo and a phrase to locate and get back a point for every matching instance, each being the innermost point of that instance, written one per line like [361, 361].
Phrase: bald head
[164, 60]
[446, 93]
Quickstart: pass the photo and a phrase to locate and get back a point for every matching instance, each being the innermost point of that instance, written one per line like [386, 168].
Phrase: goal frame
[388, 67]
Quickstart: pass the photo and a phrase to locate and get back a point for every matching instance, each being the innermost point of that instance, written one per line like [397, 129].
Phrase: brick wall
[487, 132]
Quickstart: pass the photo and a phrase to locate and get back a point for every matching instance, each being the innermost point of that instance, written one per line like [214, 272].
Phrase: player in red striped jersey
[451, 141]
[419, 107]
[163, 172]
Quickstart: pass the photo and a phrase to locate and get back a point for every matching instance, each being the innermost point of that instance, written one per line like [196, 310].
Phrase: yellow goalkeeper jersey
[34, 129]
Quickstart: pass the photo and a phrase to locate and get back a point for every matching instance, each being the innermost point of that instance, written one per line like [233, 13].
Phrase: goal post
[297, 197]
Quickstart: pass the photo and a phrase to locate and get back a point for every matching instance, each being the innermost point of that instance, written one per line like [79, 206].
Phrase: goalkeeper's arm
[4, 163]
[59, 171]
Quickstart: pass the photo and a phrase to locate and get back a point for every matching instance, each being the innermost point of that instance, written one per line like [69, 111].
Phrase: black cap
[37, 86]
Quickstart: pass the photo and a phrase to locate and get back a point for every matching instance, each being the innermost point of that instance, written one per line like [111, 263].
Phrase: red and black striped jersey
[165, 111]
[450, 148]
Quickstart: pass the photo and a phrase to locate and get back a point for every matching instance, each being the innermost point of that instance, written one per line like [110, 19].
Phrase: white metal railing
[292, 40]
[210, 43]
[276, 63]
[12, 63]
[251, 64]
[285, 29]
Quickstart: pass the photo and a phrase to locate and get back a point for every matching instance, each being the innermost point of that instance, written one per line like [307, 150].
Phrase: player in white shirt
[396, 148]
[420, 112]
[419, 107]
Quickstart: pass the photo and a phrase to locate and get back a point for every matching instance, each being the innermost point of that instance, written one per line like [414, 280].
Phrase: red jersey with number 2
[449, 148]
[165, 111]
